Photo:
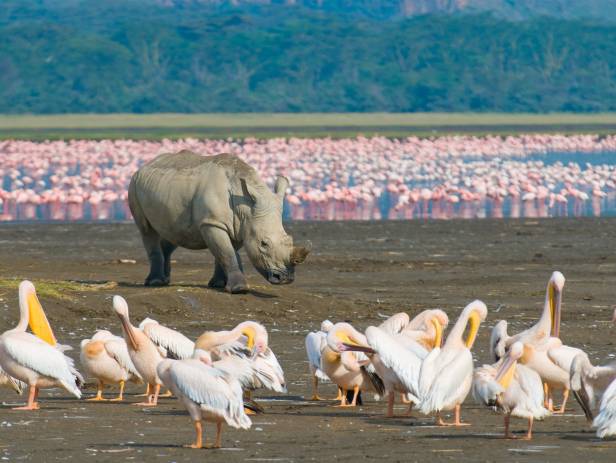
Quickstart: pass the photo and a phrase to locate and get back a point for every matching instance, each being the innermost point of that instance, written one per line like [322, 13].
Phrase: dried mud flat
[358, 272]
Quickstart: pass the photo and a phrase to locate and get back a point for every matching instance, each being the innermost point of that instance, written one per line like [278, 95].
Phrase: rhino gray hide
[218, 203]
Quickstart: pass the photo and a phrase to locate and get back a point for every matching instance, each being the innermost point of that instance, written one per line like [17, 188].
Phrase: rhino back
[178, 192]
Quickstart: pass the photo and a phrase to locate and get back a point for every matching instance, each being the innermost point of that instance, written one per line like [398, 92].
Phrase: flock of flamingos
[408, 358]
[348, 179]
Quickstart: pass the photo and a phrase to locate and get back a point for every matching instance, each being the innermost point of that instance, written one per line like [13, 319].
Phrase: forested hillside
[152, 57]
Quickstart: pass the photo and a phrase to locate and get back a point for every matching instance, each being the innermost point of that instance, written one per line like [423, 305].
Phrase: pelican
[421, 329]
[546, 353]
[396, 323]
[35, 359]
[210, 391]
[511, 388]
[605, 422]
[248, 339]
[315, 343]
[106, 358]
[143, 353]
[173, 343]
[349, 370]
[446, 373]
[397, 358]
[589, 382]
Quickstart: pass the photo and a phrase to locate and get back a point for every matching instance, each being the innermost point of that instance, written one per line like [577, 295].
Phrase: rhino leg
[219, 244]
[167, 249]
[219, 279]
[153, 246]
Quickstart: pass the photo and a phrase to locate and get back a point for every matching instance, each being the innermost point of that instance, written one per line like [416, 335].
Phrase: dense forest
[147, 57]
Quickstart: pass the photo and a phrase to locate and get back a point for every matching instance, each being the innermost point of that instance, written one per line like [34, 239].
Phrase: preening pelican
[250, 340]
[546, 353]
[446, 373]
[209, 391]
[143, 353]
[349, 370]
[106, 358]
[589, 382]
[396, 323]
[315, 343]
[513, 389]
[174, 344]
[421, 329]
[35, 359]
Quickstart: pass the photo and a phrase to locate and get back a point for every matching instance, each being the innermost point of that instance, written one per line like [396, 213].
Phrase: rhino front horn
[299, 254]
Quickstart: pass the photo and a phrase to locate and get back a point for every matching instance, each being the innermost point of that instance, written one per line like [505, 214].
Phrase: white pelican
[605, 421]
[144, 354]
[174, 344]
[546, 353]
[396, 323]
[209, 391]
[35, 359]
[349, 370]
[513, 389]
[315, 343]
[589, 382]
[446, 373]
[106, 358]
[397, 358]
[248, 339]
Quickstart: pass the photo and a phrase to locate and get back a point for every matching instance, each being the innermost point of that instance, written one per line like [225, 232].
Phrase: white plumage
[174, 344]
[605, 422]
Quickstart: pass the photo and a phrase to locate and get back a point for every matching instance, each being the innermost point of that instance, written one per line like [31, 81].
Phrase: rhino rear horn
[280, 187]
[299, 253]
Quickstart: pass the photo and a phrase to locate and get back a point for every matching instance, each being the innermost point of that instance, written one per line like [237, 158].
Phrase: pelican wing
[173, 342]
[314, 345]
[270, 372]
[605, 422]
[531, 386]
[485, 388]
[563, 356]
[117, 349]
[35, 354]
[450, 376]
[212, 389]
[9, 381]
[396, 323]
[403, 359]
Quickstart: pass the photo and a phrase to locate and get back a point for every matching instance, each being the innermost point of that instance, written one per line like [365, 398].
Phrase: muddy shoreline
[358, 272]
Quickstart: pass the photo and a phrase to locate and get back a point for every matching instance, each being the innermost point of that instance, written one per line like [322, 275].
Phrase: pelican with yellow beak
[512, 389]
[446, 374]
[545, 352]
[143, 353]
[397, 358]
[36, 359]
[249, 340]
[344, 361]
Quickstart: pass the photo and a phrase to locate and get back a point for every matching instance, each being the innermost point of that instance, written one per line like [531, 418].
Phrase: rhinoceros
[215, 202]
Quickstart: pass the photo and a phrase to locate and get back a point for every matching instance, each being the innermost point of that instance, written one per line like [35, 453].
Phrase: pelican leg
[456, 421]
[36, 393]
[198, 436]
[390, 405]
[410, 410]
[343, 400]
[508, 434]
[99, 393]
[152, 399]
[340, 394]
[565, 398]
[315, 388]
[404, 400]
[167, 394]
[529, 433]
[147, 392]
[31, 405]
[120, 397]
[218, 442]
[355, 394]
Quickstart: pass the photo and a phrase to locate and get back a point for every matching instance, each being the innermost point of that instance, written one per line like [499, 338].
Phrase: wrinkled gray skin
[218, 203]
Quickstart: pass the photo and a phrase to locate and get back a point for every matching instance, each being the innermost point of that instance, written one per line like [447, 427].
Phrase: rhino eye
[265, 244]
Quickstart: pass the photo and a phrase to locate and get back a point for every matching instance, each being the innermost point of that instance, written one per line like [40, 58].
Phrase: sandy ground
[358, 272]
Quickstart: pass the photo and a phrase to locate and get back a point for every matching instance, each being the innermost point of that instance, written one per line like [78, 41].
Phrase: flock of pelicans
[213, 377]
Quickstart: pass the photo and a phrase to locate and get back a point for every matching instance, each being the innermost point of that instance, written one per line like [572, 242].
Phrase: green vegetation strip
[53, 289]
[156, 126]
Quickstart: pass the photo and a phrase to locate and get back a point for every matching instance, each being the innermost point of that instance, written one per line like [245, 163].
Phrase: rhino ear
[248, 190]
[280, 188]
